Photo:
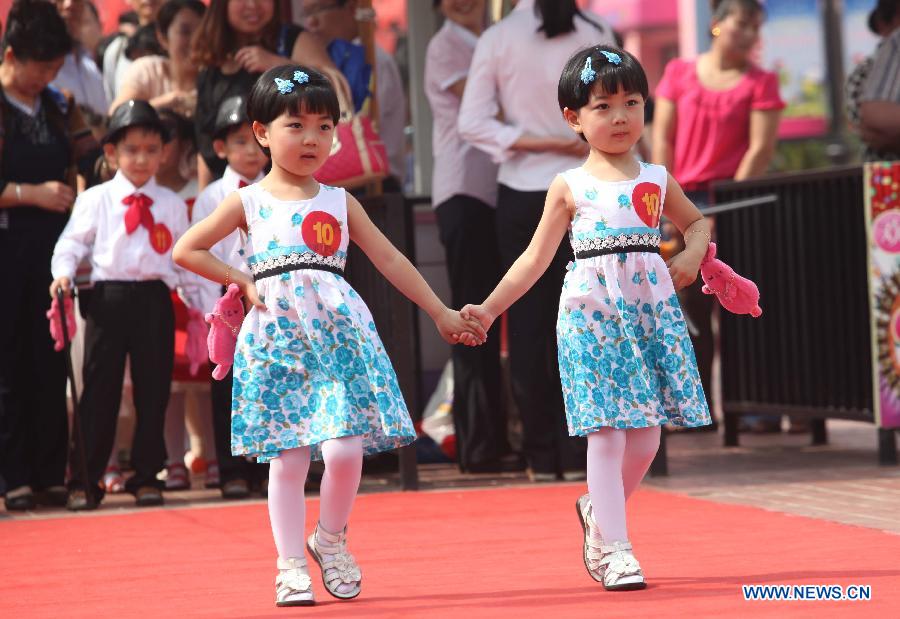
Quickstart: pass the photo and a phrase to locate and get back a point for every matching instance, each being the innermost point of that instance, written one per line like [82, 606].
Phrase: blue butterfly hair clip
[284, 86]
[612, 57]
[287, 86]
[587, 73]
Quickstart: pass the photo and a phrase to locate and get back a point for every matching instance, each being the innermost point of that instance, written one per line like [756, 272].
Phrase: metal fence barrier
[801, 237]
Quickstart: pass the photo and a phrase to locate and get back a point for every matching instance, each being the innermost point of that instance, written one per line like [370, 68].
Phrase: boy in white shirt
[127, 227]
[233, 141]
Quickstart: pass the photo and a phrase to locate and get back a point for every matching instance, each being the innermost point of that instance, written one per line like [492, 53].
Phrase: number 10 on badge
[321, 233]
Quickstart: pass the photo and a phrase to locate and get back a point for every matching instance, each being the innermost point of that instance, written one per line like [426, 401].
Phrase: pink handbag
[358, 156]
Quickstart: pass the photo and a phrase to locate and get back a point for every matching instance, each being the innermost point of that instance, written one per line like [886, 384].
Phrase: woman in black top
[233, 46]
[42, 137]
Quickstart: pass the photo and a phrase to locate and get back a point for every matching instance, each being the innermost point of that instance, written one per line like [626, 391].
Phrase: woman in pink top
[716, 118]
[167, 81]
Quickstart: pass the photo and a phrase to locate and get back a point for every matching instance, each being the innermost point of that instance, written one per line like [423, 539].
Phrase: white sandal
[621, 571]
[293, 586]
[592, 540]
[338, 566]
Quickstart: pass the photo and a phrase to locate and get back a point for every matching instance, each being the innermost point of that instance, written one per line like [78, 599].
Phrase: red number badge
[321, 233]
[646, 200]
[160, 238]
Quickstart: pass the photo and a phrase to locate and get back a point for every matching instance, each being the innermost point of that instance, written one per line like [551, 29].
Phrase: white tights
[287, 502]
[617, 461]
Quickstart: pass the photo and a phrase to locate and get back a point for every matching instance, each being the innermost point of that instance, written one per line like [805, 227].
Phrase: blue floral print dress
[625, 357]
[311, 367]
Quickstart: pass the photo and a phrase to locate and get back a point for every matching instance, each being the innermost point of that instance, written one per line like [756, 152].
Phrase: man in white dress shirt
[233, 141]
[126, 227]
[464, 194]
[515, 70]
[336, 19]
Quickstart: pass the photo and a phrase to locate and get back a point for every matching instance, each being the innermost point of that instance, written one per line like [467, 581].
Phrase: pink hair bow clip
[737, 294]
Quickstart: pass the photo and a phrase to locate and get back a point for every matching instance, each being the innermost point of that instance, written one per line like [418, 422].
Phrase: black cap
[134, 113]
[232, 111]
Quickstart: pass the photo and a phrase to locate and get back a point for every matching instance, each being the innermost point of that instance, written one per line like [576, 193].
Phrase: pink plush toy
[224, 323]
[737, 294]
[195, 346]
[56, 326]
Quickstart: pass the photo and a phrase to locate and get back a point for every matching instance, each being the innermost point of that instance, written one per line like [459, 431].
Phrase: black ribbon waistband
[287, 268]
[593, 253]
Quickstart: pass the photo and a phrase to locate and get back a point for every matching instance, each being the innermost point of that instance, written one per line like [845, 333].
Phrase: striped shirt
[883, 83]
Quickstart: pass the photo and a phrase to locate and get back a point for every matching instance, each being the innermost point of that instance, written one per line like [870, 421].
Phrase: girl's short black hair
[36, 32]
[629, 75]
[316, 96]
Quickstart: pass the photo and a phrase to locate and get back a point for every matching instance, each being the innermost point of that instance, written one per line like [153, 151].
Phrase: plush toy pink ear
[710, 253]
[233, 291]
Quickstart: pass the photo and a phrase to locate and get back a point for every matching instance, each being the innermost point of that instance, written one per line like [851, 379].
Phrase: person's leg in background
[571, 450]
[177, 477]
[236, 474]
[698, 311]
[105, 350]
[14, 379]
[152, 349]
[468, 233]
[532, 341]
[202, 443]
[46, 395]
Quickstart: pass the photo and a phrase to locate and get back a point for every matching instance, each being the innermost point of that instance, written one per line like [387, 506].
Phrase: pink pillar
[687, 28]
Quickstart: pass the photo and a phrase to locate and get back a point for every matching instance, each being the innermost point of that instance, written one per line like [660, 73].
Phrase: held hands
[479, 313]
[456, 329]
[683, 268]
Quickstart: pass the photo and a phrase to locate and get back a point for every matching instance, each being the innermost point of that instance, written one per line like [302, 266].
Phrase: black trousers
[230, 467]
[698, 310]
[533, 362]
[469, 233]
[34, 430]
[133, 319]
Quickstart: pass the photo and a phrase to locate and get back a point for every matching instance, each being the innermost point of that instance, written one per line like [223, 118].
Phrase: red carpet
[511, 552]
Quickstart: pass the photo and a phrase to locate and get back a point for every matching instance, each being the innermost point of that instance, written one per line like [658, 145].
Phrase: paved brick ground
[841, 481]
